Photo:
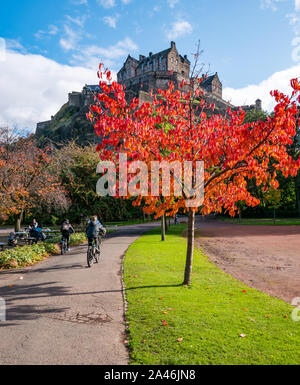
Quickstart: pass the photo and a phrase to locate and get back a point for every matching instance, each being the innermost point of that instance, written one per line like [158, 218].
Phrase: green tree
[272, 198]
[77, 166]
[255, 116]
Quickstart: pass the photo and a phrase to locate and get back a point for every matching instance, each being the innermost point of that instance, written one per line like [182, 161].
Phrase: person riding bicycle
[66, 230]
[94, 230]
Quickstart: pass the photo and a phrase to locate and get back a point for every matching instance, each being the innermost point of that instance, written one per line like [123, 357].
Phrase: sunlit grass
[210, 317]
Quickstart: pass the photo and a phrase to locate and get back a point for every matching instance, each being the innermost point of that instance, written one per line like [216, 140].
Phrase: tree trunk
[18, 222]
[163, 228]
[190, 249]
[166, 223]
[297, 188]
[274, 216]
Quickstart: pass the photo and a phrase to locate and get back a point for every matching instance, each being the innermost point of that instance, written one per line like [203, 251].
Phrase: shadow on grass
[153, 286]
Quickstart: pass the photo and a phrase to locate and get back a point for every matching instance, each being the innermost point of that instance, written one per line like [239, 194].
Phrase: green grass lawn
[209, 316]
[262, 221]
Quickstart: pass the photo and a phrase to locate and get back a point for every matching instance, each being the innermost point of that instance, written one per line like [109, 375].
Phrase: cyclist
[66, 230]
[93, 231]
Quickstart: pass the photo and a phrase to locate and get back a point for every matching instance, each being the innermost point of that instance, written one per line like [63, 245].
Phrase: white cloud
[79, 2]
[107, 3]
[14, 45]
[297, 5]
[70, 40]
[278, 81]
[52, 30]
[32, 87]
[179, 28]
[126, 1]
[73, 32]
[91, 56]
[79, 20]
[172, 3]
[270, 4]
[111, 20]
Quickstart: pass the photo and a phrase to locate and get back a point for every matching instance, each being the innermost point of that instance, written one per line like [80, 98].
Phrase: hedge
[28, 255]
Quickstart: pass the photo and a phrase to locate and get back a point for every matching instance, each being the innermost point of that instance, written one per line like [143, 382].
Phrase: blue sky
[52, 48]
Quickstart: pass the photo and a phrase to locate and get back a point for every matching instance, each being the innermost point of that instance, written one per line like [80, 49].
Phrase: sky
[48, 49]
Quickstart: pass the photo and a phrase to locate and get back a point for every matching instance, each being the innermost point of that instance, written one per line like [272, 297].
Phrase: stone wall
[75, 99]
[154, 70]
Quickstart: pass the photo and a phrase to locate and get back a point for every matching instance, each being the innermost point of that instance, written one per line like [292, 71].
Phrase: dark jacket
[67, 232]
[94, 228]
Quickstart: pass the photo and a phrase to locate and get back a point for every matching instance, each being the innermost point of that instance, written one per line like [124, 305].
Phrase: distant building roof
[208, 81]
[144, 59]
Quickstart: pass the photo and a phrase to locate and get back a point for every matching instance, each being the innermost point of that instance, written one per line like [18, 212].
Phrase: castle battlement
[155, 71]
[150, 73]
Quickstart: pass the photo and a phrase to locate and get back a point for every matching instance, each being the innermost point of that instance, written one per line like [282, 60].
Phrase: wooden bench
[51, 235]
[30, 241]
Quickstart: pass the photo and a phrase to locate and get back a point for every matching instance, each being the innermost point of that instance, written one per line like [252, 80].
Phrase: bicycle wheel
[96, 257]
[94, 253]
[90, 257]
[63, 247]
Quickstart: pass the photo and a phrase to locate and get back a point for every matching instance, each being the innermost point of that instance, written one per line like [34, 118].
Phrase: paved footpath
[61, 312]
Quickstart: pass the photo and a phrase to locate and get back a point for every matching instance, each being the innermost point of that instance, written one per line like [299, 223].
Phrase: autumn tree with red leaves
[27, 179]
[175, 127]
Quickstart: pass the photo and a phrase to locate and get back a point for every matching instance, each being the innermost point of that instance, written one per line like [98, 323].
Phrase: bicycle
[63, 245]
[92, 253]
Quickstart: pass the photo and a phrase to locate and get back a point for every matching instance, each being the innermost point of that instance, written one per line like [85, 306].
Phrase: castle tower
[258, 105]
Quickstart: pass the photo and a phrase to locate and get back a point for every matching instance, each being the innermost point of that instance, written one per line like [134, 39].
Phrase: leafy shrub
[22, 256]
[77, 239]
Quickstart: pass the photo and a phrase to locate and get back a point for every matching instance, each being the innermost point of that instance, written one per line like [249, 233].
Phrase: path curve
[61, 312]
